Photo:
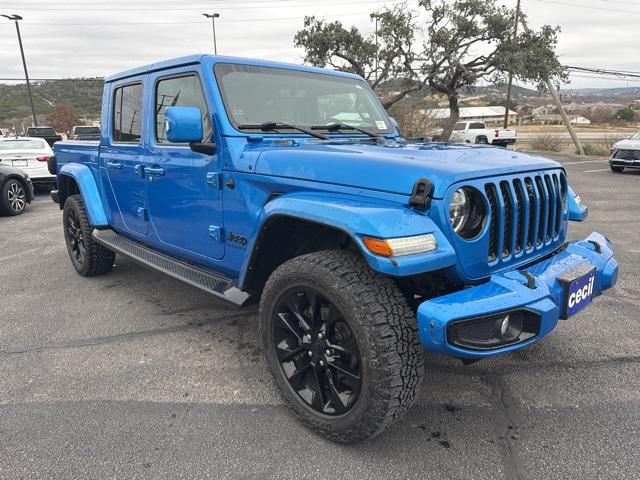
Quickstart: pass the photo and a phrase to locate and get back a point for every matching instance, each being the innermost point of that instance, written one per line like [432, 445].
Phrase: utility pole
[515, 37]
[376, 49]
[213, 17]
[15, 18]
[556, 99]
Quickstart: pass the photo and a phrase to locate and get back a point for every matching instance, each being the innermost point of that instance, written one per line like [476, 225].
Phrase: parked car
[83, 133]
[46, 133]
[4, 132]
[625, 154]
[16, 190]
[29, 155]
[477, 132]
[235, 176]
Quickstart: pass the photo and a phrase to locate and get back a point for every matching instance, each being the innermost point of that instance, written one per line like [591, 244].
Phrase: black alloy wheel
[317, 350]
[75, 237]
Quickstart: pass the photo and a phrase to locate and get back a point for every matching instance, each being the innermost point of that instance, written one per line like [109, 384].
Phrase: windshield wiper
[271, 126]
[335, 127]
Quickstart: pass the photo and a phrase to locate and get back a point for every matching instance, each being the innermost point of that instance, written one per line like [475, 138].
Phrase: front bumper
[618, 162]
[540, 293]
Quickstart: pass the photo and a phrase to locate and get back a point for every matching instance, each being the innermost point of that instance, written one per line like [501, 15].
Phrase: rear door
[185, 196]
[122, 157]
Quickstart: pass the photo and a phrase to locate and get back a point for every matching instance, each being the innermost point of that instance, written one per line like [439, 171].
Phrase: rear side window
[184, 91]
[127, 114]
[476, 126]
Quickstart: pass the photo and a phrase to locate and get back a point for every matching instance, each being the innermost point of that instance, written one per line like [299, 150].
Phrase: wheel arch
[76, 179]
[299, 223]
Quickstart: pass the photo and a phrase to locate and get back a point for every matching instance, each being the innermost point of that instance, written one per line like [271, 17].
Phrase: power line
[580, 5]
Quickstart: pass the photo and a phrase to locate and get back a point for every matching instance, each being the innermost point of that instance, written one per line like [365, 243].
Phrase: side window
[127, 114]
[476, 126]
[180, 92]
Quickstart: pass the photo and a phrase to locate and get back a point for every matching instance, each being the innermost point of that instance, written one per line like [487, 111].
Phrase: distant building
[585, 107]
[556, 118]
[473, 114]
[543, 110]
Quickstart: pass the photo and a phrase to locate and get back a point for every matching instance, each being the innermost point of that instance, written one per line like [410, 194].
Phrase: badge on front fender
[578, 287]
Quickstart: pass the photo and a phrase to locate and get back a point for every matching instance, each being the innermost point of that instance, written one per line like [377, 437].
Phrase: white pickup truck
[477, 132]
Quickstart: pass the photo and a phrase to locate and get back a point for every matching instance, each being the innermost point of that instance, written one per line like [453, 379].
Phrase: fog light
[504, 326]
[510, 327]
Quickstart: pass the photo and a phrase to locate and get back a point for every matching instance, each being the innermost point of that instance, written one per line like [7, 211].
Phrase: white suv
[29, 155]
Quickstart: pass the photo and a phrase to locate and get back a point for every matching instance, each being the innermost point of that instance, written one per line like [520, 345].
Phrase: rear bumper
[504, 141]
[541, 294]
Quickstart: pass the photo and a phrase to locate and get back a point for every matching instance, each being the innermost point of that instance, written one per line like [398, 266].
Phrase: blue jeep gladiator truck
[290, 186]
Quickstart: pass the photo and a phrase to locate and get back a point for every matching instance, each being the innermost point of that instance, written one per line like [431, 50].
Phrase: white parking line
[600, 170]
[584, 161]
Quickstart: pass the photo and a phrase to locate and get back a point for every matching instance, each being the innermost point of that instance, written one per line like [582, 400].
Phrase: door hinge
[216, 233]
[214, 180]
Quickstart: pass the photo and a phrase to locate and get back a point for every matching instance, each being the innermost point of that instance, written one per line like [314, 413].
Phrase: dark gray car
[16, 190]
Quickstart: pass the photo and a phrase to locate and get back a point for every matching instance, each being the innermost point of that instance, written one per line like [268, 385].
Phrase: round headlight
[458, 209]
[467, 212]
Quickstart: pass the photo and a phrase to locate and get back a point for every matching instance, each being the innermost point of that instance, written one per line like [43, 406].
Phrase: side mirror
[183, 124]
[577, 211]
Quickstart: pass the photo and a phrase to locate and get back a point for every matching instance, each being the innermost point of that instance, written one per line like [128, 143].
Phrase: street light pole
[213, 17]
[15, 18]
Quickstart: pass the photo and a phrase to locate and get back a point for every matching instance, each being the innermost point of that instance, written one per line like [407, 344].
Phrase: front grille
[525, 213]
[627, 155]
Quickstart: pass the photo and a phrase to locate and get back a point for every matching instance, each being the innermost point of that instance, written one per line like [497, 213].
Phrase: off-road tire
[97, 259]
[384, 327]
[6, 207]
[616, 169]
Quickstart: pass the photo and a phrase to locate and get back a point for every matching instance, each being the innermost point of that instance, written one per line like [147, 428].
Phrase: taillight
[42, 158]
[497, 133]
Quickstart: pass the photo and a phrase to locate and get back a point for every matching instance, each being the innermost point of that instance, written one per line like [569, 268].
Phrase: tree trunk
[453, 116]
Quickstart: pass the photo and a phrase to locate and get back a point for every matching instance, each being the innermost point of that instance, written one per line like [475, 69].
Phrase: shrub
[548, 142]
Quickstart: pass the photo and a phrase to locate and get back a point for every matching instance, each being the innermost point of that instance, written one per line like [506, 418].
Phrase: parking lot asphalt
[136, 375]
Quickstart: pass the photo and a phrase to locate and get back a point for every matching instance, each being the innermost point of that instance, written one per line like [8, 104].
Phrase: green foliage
[85, 95]
[626, 115]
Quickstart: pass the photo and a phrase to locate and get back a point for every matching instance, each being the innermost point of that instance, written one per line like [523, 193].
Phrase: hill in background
[84, 94]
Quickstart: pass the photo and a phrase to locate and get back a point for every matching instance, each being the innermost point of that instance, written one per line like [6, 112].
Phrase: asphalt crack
[505, 425]
[91, 342]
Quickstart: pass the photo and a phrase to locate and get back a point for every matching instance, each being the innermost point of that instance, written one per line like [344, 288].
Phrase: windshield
[255, 95]
[636, 137]
[21, 145]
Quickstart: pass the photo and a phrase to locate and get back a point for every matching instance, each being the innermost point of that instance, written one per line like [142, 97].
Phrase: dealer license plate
[578, 286]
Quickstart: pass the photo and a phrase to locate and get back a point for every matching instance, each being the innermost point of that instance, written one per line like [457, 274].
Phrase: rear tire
[616, 169]
[482, 140]
[13, 197]
[330, 307]
[88, 257]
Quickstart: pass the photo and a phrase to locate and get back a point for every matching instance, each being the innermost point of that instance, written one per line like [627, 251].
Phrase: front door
[185, 199]
[122, 157]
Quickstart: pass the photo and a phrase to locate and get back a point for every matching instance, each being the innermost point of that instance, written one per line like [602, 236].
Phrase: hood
[393, 167]
[628, 145]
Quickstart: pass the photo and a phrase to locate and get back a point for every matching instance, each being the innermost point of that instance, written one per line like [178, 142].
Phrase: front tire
[88, 257]
[342, 344]
[616, 169]
[13, 197]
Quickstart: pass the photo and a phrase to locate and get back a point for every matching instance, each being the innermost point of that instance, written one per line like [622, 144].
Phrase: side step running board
[209, 282]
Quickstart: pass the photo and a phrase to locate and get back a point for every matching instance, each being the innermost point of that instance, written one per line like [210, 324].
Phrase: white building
[474, 114]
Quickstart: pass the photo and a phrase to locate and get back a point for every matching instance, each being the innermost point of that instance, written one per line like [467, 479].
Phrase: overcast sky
[66, 38]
